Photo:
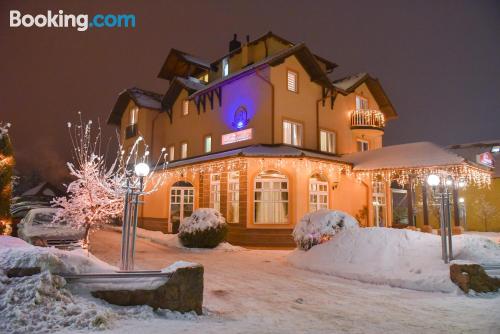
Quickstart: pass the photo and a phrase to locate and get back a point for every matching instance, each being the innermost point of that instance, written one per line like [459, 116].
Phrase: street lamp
[434, 181]
[141, 169]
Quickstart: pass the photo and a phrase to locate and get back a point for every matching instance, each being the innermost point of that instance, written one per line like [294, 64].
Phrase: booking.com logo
[81, 21]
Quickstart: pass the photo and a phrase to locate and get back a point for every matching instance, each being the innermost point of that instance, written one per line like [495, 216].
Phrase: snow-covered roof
[470, 150]
[348, 82]
[282, 151]
[413, 155]
[145, 99]
[42, 189]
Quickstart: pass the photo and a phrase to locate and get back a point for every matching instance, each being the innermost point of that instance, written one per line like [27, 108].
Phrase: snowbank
[320, 226]
[399, 258]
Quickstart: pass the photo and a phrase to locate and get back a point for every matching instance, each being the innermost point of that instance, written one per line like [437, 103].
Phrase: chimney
[245, 58]
[234, 44]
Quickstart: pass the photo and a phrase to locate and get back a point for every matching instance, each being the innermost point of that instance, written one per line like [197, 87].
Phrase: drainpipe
[257, 72]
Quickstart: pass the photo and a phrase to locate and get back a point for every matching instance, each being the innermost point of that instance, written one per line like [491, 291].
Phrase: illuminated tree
[6, 168]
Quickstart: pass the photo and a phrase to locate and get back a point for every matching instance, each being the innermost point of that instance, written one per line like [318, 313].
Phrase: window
[203, 77]
[292, 133]
[185, 107]
[134, 113]
[318, 193]
[184, 150]
[292, 81]
[361, 103]
[233, 197]
[363, 145]
[208, 144]
[271, 198]
[171, 153]
[215, 191]
[225, 67]
[379, 205]
[327, 141]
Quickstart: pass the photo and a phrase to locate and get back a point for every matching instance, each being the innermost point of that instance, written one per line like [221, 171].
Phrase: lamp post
[444, 214]
[133, 189]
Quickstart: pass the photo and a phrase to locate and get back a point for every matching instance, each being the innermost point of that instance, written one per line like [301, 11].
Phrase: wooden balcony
[367, 119]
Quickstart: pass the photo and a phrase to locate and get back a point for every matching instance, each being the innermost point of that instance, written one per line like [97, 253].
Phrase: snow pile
[202, 219]
[399, 258]
[320, 226]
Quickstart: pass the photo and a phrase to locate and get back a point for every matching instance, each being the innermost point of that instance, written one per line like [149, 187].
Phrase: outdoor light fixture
[461, 200]
[449, 182]
[461, 184]
[433, 180]
[141, 169]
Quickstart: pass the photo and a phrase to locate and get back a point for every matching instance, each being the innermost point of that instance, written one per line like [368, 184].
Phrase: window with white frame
[171, 153]
[233, 197]
[185, 107]
[363, 145]
[318, 193]
[327, 141]
[208, 144]
[215, 191]
[271, 198]
[379, 204]
[225, 67]
[134, 113]
[361, 103]
[292, 133]
[184, 150]
[292, 83]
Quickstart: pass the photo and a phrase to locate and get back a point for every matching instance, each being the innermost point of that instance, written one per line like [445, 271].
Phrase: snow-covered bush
[317, 227]
[206, 228]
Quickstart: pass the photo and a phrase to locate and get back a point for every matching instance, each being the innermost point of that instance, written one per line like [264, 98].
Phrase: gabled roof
[175, 88]
[44, 189]
[182, 64]
[348, 84]
[471, 150]
[142, 98]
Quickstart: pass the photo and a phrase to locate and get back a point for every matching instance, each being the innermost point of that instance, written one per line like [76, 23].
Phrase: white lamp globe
[141, 169]
[433, 180]
[461, 200]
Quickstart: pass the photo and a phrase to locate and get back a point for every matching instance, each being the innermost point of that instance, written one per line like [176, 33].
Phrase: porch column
[426, 228]
[456, 214]
[409, 196]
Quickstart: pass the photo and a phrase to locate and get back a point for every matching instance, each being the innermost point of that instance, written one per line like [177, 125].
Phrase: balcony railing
[366, 119]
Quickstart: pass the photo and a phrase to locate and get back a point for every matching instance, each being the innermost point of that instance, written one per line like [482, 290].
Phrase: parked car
[39, 229]
[19, 210]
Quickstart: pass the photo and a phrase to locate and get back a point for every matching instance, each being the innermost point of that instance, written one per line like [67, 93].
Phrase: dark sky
[439, 61]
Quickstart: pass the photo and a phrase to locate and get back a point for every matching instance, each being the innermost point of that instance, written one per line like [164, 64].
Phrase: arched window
[318, 193]
[271, 198]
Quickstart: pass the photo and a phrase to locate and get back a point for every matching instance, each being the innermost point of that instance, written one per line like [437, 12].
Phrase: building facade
[261, 135]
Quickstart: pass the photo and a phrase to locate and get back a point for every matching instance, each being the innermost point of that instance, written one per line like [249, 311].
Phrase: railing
[367, 118]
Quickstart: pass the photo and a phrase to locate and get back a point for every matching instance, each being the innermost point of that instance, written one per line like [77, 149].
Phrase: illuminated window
[184, 150]
[204, 77]
[318, 193]
[225, 67]
[271, 198]
[363, 145]
[208, 144]
[215, 191]
[361, 103]
[495, 149]
[185, 107]
[134, 113]
[378, 196]
[171, 153]
[292, 133]
[292, 81]
[233, 197]
[327, 141]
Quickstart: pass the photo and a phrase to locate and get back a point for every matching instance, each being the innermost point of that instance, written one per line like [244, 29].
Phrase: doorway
[181, 203]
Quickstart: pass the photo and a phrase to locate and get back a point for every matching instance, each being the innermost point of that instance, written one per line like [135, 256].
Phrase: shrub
[320, 226]
[206, 228]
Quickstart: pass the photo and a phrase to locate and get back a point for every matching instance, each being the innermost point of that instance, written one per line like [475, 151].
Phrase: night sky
[439, 61]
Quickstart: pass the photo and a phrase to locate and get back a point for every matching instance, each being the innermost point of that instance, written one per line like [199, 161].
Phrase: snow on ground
[495, 236]
[171, 240]
[259, 291]
[399, 258]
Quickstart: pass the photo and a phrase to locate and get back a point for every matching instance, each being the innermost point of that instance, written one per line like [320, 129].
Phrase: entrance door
[181, 203]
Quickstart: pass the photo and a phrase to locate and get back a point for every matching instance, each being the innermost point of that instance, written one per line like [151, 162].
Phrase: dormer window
[292, 81]
[225, 67]
[361, 103]
[185, 107]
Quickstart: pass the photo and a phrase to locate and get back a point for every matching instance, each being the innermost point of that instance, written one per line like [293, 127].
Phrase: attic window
[185, 107]
[225, 67]
[292, 81]
[361, 103]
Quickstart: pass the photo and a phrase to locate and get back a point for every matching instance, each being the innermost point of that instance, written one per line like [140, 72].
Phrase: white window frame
[185, 107]
[292, 81]
[361, 103]
[215, 191]
[184, 150]
[207, 144]
[324, 143]
[233, 197]
[288, 133]
[134, 116]
[318, 194]
[363, 144]
[171, 153]
[269, 193]
[379, 201]
[225, 67]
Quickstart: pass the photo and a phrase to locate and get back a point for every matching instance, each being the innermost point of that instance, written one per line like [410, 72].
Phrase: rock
[183, 292]
[473, 277]
[20, 272]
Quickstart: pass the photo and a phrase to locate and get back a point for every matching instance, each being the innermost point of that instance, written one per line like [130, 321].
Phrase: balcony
[367, 119]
